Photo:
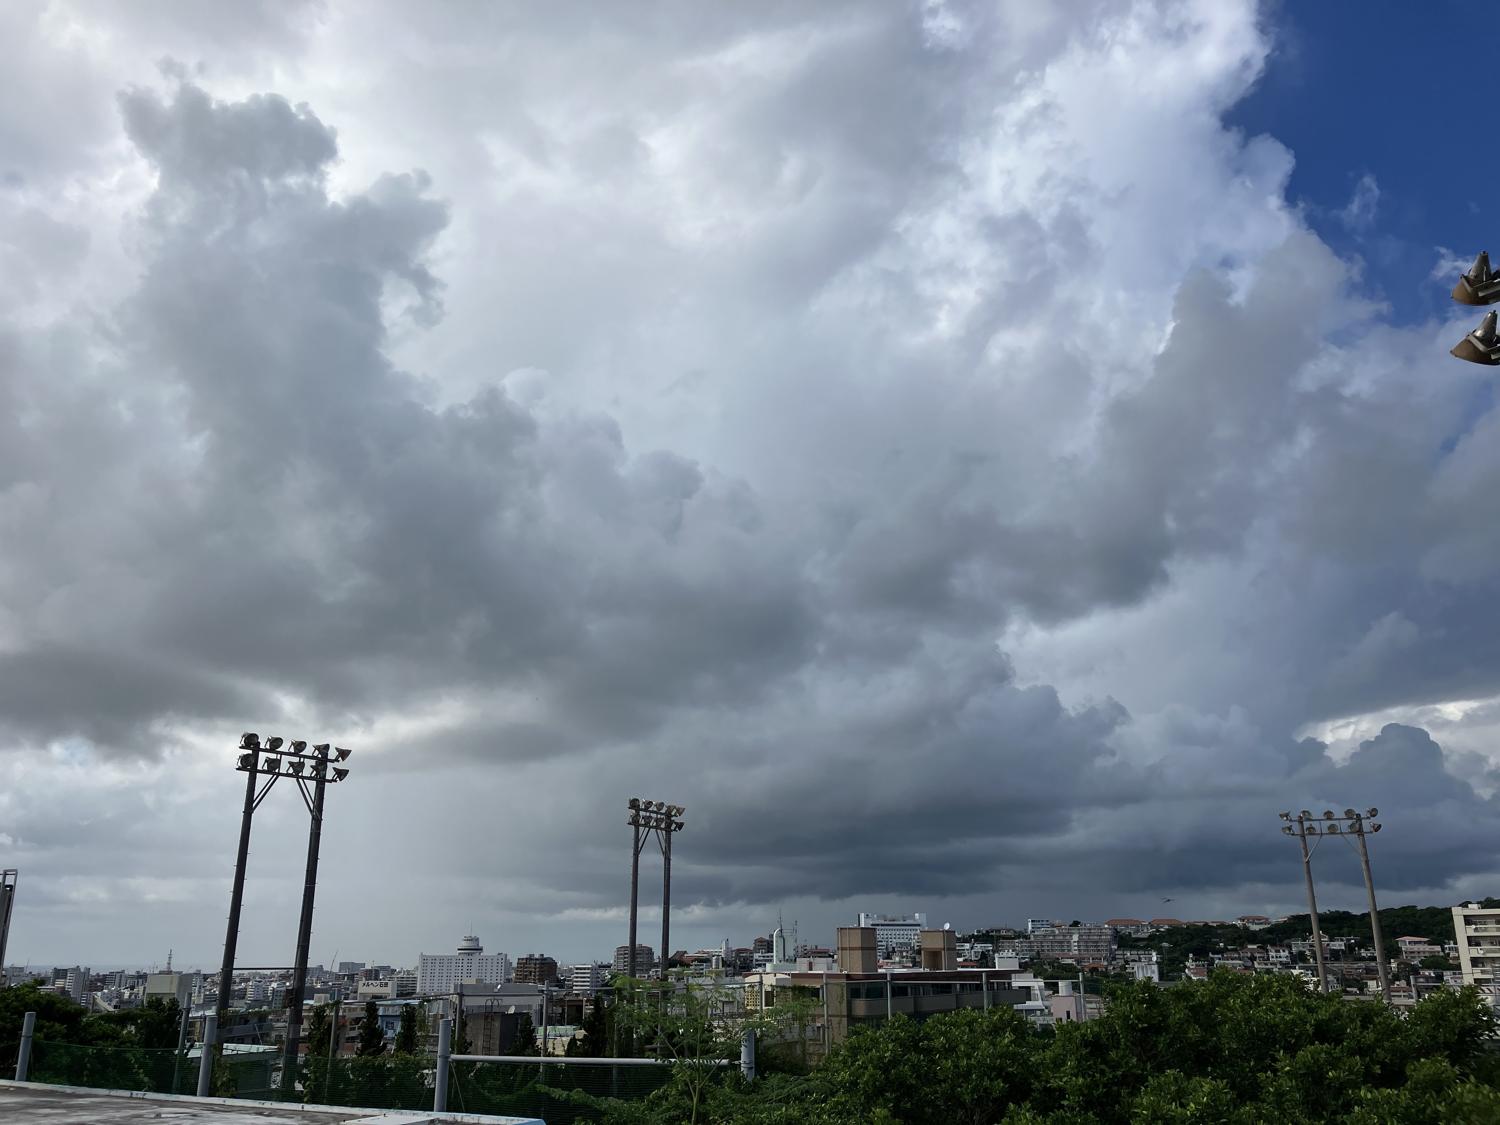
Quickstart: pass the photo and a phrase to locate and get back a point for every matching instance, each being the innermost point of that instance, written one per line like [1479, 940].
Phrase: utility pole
[1300, 831]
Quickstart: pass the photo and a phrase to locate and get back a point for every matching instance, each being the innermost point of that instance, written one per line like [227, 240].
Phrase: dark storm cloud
[776, 398]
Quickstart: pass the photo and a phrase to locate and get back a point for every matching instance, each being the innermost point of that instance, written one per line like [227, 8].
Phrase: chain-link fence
[558, 1091]
[113, 1068]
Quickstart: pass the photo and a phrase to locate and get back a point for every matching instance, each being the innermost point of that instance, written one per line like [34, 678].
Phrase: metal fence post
[445, 1048]
[181, 1045]
[747, 1054]
[23, 1060]
[206, 1059]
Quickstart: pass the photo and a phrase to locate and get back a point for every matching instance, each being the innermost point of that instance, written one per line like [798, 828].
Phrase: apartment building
[1477, 931]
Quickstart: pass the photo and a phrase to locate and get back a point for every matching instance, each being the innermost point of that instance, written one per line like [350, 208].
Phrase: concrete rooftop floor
[30, 1104]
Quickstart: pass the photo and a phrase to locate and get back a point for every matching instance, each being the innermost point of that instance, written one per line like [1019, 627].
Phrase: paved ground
[30, 1105]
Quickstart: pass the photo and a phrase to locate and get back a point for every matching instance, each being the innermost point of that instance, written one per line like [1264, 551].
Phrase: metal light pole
[1357, 829]
[647, 817]
[319, 766]
[1300, 831]
[665, 839]
[250, 763]
[635, 881]
[7, 900]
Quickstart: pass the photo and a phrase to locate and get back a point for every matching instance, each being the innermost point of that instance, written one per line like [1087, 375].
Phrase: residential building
[1086, 944]
[1035, 924]
[1478, 932]
[645, 960]
[1415, 948]
[586, 980]
[893, 931]
[535, 968]
[441, 973]
[73, 983]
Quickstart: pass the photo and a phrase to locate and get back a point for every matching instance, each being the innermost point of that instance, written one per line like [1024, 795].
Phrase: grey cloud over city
[922, 440]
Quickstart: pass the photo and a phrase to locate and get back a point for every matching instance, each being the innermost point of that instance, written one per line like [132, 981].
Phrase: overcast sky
[933, 442]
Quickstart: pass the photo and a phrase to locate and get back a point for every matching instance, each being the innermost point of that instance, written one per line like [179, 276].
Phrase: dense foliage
[154, 1026]
[1235, 1049]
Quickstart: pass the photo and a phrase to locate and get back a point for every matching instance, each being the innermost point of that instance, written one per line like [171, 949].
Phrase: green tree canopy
[371, 1034]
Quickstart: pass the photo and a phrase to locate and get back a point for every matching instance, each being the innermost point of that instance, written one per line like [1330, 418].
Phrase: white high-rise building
[894, 931]
[441, 973]
[585, 980]
[75, 983]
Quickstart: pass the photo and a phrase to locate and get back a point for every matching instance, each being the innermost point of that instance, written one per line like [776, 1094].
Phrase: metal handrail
[536, 1059]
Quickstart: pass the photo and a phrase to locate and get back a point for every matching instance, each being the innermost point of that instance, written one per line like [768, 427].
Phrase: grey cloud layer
[754, 470]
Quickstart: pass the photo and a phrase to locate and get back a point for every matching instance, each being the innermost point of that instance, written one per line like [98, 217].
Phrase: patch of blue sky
[1390, 108]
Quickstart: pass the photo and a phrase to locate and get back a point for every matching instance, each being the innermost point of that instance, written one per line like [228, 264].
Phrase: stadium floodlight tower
[312, 770]
[1480, 285]
[661, 819]
[1353, 826]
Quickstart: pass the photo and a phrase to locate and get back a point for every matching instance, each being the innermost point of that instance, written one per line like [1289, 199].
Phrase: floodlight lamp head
[274, 742]
[249, 741]
[1333, 828]
[272, 765]
[319, 769]
[1286, 829]
[1372, 811]
[339, 773]
[677, 810]
[633, 803]
[321, 749]
[1327, 814]
[342, 753]
[247, 761]
[677, 826]
[1306, 814]
[294, 768]
[661, 806]
[1285, 816]
[1375, 828]
[299, 747]
[1351, 814]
